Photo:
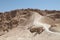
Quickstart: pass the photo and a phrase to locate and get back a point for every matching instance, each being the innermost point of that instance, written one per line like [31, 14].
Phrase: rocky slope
[13, 24]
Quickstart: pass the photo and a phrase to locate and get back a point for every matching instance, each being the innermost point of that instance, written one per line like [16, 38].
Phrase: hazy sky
[6, 5]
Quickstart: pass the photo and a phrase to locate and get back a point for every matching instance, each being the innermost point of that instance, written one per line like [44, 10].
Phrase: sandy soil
[24, 34]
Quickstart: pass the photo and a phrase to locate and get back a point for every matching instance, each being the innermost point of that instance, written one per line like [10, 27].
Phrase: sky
[7, 5]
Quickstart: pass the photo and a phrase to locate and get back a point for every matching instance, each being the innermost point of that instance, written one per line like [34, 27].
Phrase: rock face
[10, 20]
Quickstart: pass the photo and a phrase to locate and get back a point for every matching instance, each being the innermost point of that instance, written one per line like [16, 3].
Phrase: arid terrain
[14, 25]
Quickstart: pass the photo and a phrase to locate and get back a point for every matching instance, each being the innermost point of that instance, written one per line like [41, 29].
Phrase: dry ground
[24, 34]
